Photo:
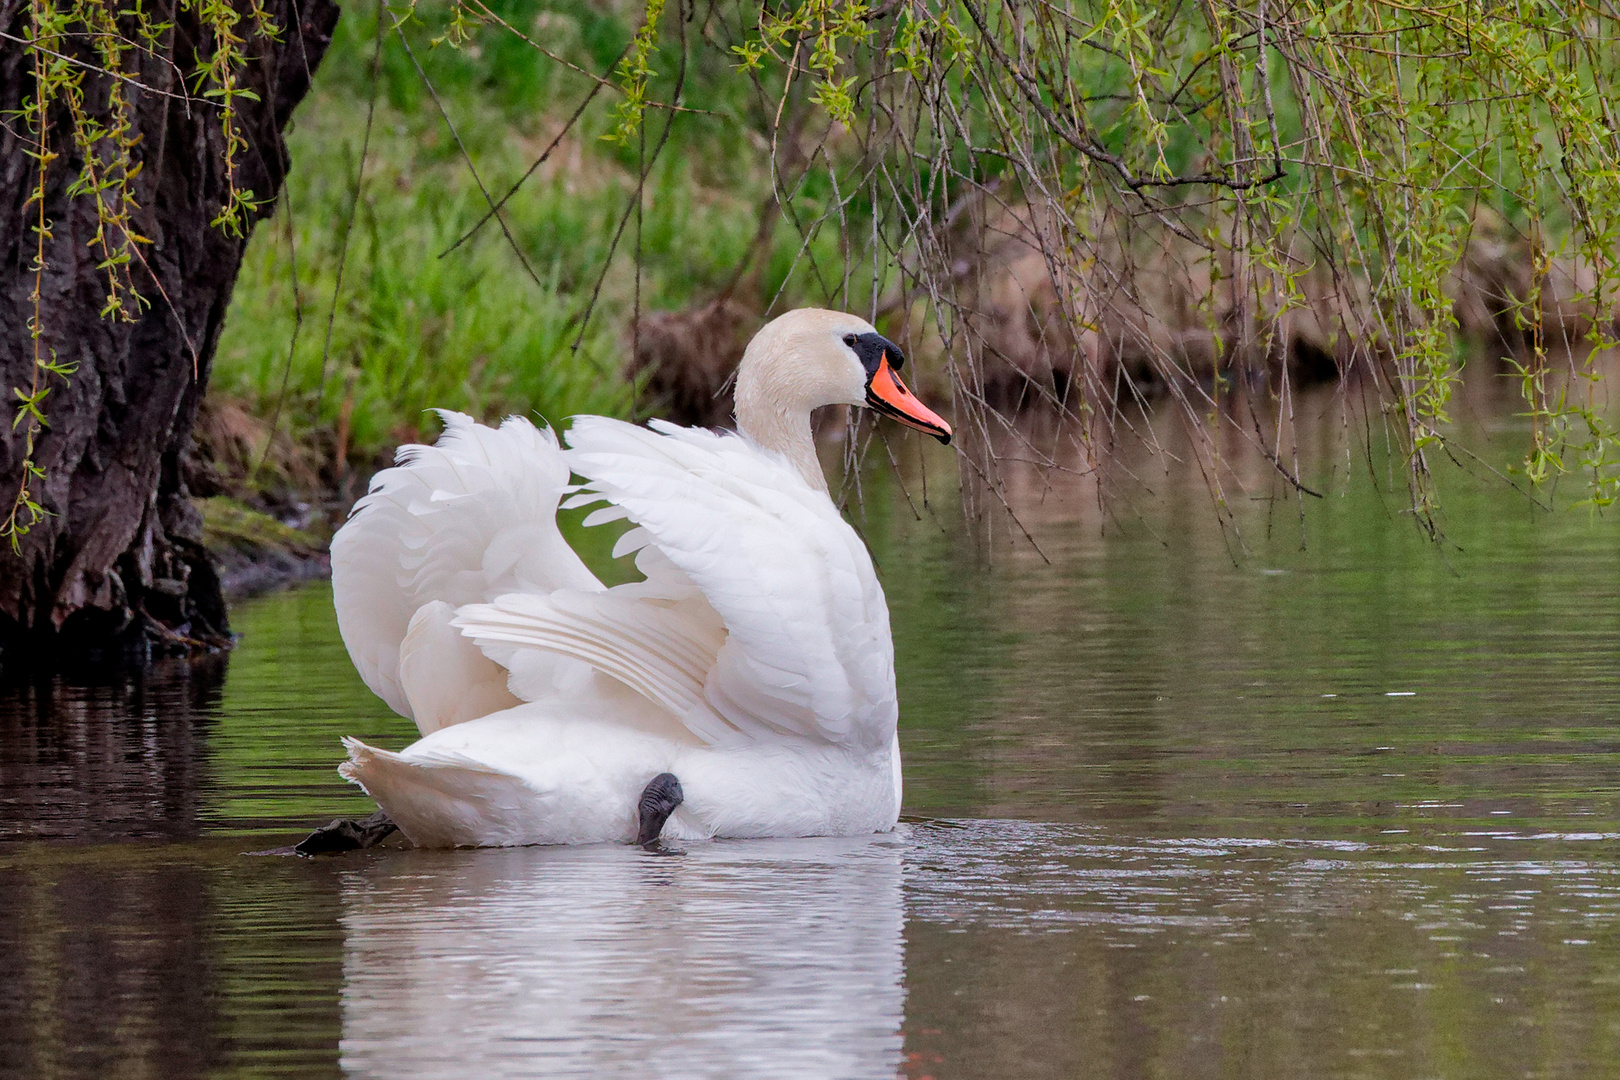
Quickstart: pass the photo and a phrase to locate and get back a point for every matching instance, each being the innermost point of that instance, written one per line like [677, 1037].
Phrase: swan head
[808, 358]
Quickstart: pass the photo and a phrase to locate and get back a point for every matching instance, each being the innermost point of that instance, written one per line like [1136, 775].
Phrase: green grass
[413, 328]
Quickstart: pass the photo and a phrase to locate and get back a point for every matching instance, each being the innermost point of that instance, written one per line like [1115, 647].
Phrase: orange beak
[886, 394]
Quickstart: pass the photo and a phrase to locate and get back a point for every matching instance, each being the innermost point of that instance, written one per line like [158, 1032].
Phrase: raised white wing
[461, 522]
[759, 616]
[807, 650]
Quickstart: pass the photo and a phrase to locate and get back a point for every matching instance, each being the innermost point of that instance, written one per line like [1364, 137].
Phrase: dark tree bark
[118, 563]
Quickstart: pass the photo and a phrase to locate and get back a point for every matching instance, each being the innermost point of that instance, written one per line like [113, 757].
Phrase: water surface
[1182, 801]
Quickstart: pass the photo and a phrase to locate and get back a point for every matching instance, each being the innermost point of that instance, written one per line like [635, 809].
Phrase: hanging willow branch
[1212, 188]
[58, 36]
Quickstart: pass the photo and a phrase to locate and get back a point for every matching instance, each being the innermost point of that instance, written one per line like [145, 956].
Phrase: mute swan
[745, 688]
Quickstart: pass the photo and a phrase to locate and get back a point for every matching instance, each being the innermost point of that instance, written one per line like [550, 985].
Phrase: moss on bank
[256, 552]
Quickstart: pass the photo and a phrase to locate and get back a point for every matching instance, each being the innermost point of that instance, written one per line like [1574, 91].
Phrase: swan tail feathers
[444, 799]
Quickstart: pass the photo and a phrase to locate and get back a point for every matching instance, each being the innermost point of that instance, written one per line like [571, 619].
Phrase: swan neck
[785, 431]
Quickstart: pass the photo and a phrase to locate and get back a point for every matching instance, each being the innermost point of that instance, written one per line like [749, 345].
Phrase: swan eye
[850, 339]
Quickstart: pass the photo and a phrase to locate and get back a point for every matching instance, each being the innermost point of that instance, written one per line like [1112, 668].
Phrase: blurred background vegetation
[1089, 208]
[380, 194]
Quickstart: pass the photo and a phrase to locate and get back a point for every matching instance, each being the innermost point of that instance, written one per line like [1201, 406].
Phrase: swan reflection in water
[737, 958]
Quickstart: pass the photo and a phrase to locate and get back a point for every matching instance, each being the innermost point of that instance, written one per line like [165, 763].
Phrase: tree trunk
[118, 563]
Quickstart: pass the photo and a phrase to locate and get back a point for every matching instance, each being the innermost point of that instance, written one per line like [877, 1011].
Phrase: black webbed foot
[658, 800]
[346, 835]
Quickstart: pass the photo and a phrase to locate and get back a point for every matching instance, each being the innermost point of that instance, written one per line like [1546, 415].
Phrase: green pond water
[1182, 801]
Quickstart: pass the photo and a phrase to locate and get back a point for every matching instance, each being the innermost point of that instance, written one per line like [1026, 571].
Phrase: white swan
[744, 689]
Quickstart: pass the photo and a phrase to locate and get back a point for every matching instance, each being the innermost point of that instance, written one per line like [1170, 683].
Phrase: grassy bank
[342, 371]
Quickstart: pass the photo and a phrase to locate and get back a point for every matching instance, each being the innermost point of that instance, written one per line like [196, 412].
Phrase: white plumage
[754, 661]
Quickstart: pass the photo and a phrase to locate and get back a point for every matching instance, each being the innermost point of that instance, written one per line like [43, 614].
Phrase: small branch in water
[346, 835]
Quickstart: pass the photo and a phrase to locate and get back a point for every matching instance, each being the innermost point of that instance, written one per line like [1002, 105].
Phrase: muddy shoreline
[243, 578]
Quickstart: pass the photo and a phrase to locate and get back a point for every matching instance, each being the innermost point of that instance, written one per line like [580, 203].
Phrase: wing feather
[462, 521]
[662, 651]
